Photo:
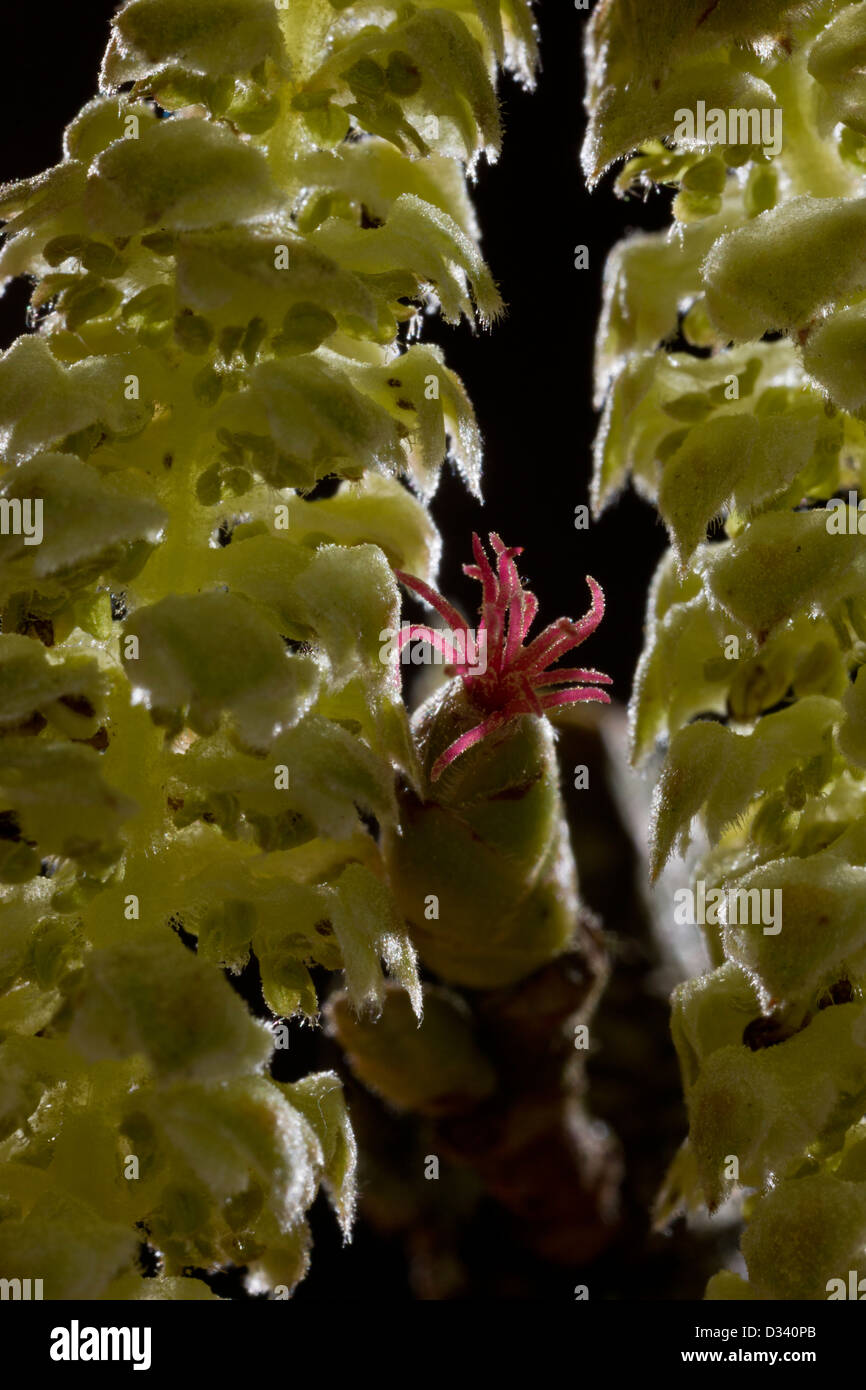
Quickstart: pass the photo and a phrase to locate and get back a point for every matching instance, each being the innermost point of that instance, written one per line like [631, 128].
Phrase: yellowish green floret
[729, 371]
[231, 264]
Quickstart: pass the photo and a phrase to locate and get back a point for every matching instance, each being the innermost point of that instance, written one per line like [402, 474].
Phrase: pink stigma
[517, 679]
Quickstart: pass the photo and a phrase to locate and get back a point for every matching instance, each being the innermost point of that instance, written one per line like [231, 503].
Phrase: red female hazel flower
[517, 678]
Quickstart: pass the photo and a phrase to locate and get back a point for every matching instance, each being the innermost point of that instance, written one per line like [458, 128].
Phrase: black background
[529, 378]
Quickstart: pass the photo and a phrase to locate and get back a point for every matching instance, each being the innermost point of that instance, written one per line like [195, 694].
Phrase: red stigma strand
[517, 678]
